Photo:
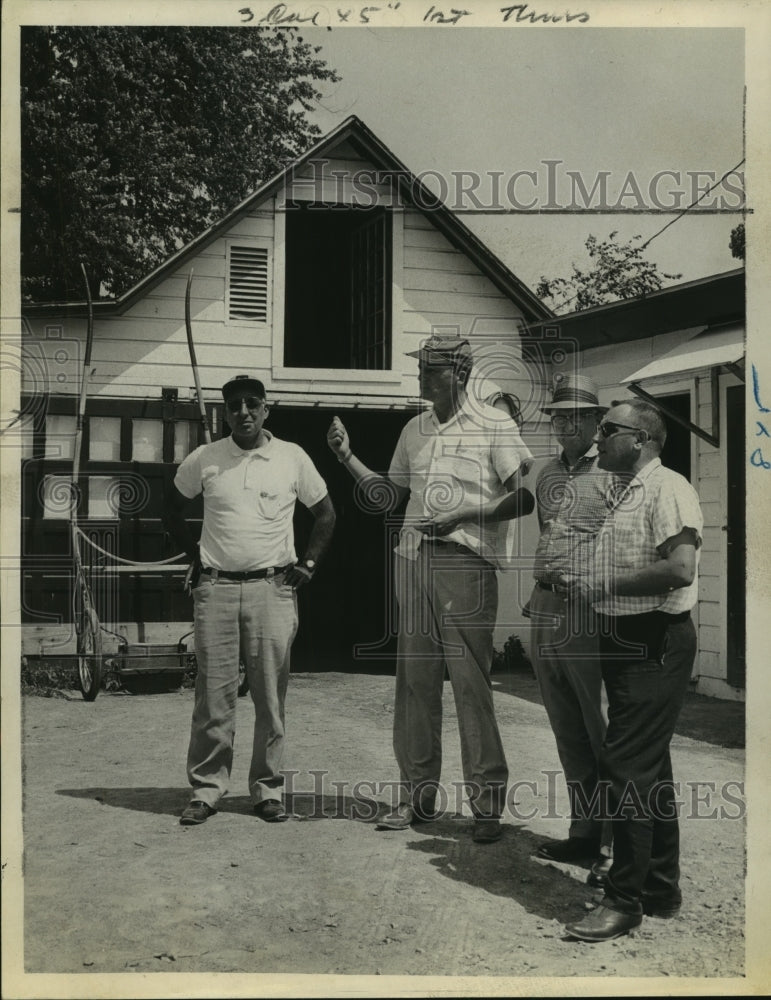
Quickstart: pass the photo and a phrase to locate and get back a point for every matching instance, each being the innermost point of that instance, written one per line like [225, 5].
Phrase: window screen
[60, 435]
[104, 443]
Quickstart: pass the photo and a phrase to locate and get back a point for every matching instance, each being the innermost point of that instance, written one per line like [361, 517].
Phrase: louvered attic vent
[248, 284]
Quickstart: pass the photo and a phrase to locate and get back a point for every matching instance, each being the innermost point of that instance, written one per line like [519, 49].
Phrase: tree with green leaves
[736, 243]
[134, 140]
[617, 271]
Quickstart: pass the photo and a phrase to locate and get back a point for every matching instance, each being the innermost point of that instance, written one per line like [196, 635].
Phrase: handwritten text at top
[286, 15]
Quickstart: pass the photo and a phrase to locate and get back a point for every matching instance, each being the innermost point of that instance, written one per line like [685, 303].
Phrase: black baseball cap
[243, 384]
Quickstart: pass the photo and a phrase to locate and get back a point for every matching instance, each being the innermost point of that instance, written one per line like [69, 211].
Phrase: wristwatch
[309, 564]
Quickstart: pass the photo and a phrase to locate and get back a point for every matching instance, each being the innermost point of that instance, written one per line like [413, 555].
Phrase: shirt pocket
[468, 464]
[269, 504]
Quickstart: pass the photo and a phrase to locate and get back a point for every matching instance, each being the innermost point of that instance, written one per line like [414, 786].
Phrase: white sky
[613, 99]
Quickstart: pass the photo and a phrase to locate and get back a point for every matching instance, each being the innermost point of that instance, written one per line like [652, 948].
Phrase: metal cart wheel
[89, 656]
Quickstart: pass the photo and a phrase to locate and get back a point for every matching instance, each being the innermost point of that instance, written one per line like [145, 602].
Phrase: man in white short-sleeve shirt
[645, 585]
[245, 578]
[460, 463]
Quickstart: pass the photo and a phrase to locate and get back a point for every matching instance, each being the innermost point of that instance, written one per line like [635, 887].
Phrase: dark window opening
[676, 453]
[338, 288]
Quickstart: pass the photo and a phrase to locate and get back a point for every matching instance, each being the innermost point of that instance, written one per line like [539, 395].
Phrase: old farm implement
[94, 565]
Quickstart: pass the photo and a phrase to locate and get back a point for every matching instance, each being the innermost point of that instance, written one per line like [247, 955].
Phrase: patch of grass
[45, 676]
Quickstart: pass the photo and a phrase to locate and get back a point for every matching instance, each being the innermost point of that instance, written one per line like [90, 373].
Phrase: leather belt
[548, 586]
[249, 574]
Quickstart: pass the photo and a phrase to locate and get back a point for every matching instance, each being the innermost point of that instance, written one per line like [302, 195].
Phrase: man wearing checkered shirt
[646, 582]
[571, 493]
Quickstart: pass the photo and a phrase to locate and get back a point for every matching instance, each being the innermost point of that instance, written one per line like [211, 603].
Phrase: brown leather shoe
[196, 812]
[603, 924]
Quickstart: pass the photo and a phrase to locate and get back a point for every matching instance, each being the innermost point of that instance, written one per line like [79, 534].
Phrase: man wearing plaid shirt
[571, 493]
[646, 582]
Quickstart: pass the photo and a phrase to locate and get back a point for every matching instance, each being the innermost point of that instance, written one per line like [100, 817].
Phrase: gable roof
[365, 142]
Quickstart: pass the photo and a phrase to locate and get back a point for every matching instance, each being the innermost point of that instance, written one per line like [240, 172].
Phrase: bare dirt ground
[113, 883]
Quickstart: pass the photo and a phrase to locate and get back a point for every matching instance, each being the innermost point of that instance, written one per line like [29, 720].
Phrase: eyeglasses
[607, 428]
[559, 420]
[251, 403]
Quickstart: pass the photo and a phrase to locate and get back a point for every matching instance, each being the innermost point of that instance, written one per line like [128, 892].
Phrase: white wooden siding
[435, 288]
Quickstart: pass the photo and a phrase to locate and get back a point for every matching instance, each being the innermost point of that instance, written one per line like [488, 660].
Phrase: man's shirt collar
[262, 452]
[464, 410]
[645, 472]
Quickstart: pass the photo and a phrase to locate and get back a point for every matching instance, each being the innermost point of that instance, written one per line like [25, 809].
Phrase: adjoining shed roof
[706, 349]
[711, 301]
[413, 192]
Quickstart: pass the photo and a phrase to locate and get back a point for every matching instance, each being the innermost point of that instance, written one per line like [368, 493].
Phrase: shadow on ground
[302, 806]
[505, 868]
[711, 720]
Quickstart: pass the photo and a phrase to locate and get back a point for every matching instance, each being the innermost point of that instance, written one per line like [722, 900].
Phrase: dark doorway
[736, 535]
[349, 602]
[676, 453]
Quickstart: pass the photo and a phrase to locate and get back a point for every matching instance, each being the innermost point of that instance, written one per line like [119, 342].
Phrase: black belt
[248, 574]
[449, 543]
[444, 543]
[553, 587]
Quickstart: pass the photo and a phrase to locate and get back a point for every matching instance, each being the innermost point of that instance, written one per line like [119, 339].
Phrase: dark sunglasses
[251, 402]
[607, 428]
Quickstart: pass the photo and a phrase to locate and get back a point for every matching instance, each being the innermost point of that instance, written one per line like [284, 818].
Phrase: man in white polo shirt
[245, 577]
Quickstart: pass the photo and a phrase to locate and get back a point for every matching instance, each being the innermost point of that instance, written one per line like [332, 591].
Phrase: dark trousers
[645, 694]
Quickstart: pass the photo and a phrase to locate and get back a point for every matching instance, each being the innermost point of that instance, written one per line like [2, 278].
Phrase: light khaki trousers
[255, 620]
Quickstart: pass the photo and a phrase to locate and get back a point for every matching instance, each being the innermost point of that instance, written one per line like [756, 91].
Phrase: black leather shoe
[598, 875]
[271, 811]
[399, 819]
[572, 849]
[603, 924]
[487, 831]
[196, 812]
[665, 909]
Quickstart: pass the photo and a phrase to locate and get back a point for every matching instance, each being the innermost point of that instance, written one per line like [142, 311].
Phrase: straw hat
[574, 392]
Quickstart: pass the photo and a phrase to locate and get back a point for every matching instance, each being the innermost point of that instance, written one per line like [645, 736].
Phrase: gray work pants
[448, 599]
[566, 658]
